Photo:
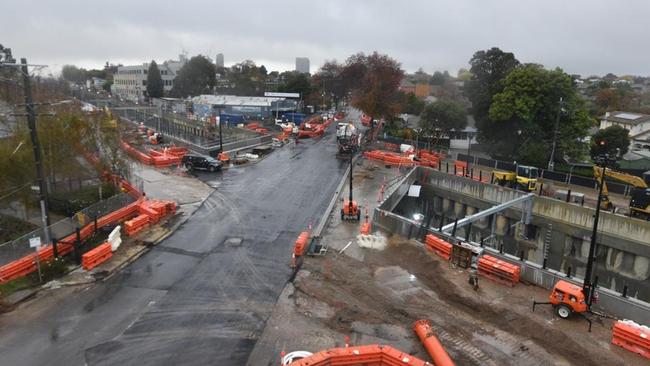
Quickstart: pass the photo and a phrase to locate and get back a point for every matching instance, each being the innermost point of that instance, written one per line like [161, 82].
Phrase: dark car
[198, 162]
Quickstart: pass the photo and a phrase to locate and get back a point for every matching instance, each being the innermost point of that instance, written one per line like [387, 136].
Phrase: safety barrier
[299, 247]
[165, 157]
[389, 157]
[460, 167]
[375, 355]
[96, 256]
[150, 208]
[365, 228]
[632, 336]
[136, 224]
[498, 270]
[431, 343]
[438, 246]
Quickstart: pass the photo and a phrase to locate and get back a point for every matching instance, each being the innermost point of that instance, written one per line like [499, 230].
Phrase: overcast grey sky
[581, 36]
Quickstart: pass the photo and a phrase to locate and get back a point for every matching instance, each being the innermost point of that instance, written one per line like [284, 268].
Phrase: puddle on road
[401, 283]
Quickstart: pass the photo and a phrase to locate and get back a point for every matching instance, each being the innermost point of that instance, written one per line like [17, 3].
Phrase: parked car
[199, 162]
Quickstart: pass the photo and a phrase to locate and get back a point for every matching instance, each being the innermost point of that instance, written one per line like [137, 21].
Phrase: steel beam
[526, 200]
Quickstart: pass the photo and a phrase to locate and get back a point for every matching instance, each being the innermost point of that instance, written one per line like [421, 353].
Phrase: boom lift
[350, 209]
[640, 202]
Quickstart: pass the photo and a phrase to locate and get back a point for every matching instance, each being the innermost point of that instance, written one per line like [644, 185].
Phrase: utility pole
[551, 160]
[31, 123]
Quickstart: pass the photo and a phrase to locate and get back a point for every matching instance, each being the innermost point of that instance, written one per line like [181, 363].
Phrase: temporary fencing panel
[498, 270]
[632, 336]
[136, 224]
[438, 246]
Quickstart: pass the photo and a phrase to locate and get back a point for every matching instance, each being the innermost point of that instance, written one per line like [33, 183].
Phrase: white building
[130, 82]
[302, 65]
[219, 60]
[638, 124]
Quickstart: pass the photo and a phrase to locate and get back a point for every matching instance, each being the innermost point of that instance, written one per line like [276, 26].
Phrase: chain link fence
[18, 248]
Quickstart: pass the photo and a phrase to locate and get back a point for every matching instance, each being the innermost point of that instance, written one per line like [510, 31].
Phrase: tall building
[130, 82]
[302, 64]
[219, 60]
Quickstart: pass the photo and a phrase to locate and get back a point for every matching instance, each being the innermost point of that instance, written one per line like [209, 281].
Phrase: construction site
[375, 254]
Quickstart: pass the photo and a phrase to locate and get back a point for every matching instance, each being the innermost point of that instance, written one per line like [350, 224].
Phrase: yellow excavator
[640, 201]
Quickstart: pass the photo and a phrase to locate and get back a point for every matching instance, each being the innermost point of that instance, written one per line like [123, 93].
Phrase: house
[638, 124]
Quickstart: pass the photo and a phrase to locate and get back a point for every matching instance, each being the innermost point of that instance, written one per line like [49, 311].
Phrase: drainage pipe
[438, 354]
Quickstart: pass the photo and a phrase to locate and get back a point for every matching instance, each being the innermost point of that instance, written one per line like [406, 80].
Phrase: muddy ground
[375, 296]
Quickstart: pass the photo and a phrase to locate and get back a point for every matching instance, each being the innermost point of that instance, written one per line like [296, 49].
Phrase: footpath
[188, 192]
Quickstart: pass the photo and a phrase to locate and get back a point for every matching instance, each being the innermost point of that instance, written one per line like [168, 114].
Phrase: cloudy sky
[581, 36]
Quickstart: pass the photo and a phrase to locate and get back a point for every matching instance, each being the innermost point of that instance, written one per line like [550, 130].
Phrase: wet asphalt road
[203, 295]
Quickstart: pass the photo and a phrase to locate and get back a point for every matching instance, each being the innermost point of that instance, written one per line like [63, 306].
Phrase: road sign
[282, 95]
[35, 242]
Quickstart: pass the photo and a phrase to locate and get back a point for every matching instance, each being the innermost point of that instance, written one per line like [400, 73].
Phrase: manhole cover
[233, 242]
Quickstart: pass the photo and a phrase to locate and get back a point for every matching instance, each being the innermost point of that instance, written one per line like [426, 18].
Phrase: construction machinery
[523, 178]
[347, 139]
[567, 299]
[640, 201]
[351, 209]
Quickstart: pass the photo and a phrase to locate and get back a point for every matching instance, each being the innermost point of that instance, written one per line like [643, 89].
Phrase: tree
[330, 80]
[107, 86]
[196, 77]
[296, 82]
[438, 78]
[444, 115]
[155, 86]
[464, 74]
[374, 81]
[73, 74]
[525, 113]
[611, 140]
[412, 104]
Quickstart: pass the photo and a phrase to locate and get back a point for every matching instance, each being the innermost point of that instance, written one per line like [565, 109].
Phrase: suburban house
[638, 124]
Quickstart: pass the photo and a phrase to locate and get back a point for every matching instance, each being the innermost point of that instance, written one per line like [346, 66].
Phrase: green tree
[374, 81]
[464, 74]
[196, 77]
[411, 103]
[444, 115]
[438, 78]
[296, 82]
[107, 86]
[525, 113]
[611, 140]
[154, 81]
[330, 80]
[74, 74]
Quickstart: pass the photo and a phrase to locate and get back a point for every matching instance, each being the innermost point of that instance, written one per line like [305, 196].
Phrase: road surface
[203, 295]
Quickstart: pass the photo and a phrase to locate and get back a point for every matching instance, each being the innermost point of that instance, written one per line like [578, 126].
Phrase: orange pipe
[438, 354]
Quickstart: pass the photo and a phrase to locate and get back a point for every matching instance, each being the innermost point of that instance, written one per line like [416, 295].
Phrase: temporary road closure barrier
[632, 336]
[374, 354]
[438, 246]
[136, 224]
[498, 270]
[96, 256]
[299, 247]
[365, 228]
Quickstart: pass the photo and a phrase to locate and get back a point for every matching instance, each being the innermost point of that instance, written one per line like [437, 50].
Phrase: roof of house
[625, 117]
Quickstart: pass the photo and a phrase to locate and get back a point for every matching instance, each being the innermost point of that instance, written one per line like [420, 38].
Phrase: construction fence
[18, 248]
[565, 178]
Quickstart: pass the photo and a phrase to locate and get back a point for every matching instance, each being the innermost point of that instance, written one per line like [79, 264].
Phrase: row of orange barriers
[165, 157]
[136, 224]
[438, 246]
[497, 270]
[387, 157]
[255, 126]
[152, 208]
[96, 256]
[632, 336]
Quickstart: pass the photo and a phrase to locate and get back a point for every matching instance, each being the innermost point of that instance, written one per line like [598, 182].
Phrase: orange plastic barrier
[391, 147]
[365, 228]
[431, 343]
[388, 157]
[136, 224]
[632, 336]
[461, 167]
[371, 355]
[97, 256]
[438, 246]
[365, 120]
[498, 270]
[300, 246]
[160, 158]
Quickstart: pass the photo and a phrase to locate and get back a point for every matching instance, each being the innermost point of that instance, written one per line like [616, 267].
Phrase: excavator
[640, 201]
[351, 209]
